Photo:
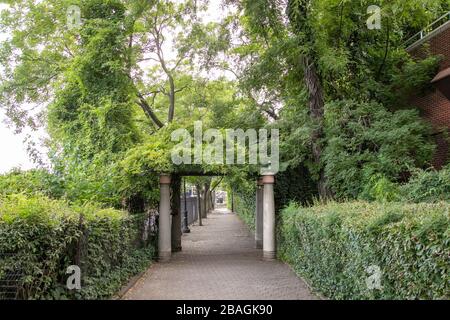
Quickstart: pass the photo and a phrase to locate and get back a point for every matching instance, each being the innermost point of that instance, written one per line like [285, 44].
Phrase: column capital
[268, 179]
[164, 179]
[259, 182]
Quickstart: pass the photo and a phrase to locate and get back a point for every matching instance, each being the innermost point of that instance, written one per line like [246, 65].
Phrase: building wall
[434, 106]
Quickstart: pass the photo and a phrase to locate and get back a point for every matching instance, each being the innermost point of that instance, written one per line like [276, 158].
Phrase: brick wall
[439, 44]
[434, 106]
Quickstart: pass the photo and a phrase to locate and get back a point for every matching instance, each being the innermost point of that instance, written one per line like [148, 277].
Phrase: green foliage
[33, 54]
[352, 63]
[427, 186]
[244, 203]
[95, 181]
[294, 184]
[381, 189]
[93, 112]
[423, 186]
[243, 188]
[365, 139]
[414, 77]
[296, 129]
[333, 245]
[31, 182]
[92, 119]
[42, 237]
[352, 60]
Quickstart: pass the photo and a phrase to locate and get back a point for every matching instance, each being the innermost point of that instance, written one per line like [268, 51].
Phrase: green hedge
[40, 238]
[245, 205]
[423, 186]
[333, 245]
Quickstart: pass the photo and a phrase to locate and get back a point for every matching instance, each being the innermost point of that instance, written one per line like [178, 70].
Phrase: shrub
[40, 238]
[428, 186]
[31, 182]
[295, 184]
[244, 206]
[243, 191]
[336, 247]
[380, 188]
[366, 139]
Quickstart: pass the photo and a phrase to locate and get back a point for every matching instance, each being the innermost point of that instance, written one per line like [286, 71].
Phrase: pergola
[169, 237]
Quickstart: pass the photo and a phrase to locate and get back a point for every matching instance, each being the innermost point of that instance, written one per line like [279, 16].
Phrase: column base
[258, 244]
[164, 256]
[176, 249]
[186, 230]
[269, 255]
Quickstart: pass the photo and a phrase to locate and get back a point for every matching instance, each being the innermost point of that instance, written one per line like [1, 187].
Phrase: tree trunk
[212, 199]
[176, 213]
[316, 109]
[199, 206]
[205, 199]
[171, 99]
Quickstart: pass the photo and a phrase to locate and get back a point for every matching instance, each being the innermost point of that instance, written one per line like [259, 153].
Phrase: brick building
[435, 105]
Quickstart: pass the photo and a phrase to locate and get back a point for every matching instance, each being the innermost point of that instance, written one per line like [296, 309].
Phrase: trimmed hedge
[333, 245]
[245, 206]
[40, 238]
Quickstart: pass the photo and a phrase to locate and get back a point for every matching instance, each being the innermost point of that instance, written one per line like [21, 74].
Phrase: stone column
[259, 215]
[164, 236]
[269, 246]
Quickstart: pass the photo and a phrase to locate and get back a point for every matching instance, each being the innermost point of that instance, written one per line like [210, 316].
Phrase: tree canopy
[111, 89]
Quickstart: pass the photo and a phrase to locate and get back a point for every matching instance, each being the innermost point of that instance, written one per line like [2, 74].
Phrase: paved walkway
[219, 261]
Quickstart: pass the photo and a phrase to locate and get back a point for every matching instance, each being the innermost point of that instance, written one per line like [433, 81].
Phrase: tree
[112, 91]
[307, 53]
[92, 82]
[158, 28]
[91, 120]
[41, 49]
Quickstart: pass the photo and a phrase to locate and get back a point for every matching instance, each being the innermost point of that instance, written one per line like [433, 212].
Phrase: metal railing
[426, 31]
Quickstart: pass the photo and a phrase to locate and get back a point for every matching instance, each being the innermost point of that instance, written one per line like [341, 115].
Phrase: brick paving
[219, 261]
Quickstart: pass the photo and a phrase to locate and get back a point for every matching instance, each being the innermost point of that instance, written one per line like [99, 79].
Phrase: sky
[13, 148]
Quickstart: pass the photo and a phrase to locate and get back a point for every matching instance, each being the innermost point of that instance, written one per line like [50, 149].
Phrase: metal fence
[192, 209]
[10, 278]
